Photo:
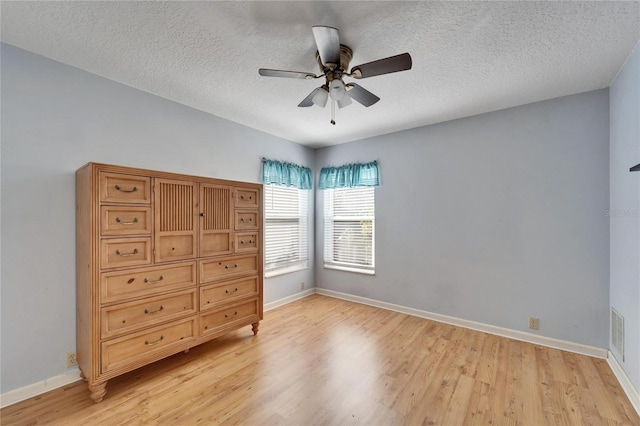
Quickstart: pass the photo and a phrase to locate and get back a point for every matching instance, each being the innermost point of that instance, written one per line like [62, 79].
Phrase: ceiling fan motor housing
[346, 54]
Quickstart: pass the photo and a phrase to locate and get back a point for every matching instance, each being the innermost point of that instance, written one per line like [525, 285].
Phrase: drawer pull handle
[119, 253]
[246, 220]
[148, 343]
[135, 220]
[146, 311]
[147, 280]
[235, 290]
[126, 190]
[227, 266]
[246, 242]
[249, 198]
[231, 316]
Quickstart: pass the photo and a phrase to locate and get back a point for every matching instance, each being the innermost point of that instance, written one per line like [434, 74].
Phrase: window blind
[349, 229]
[285, 227]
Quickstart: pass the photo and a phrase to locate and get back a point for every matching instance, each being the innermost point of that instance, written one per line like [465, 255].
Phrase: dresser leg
[98, 391]
[254, 327]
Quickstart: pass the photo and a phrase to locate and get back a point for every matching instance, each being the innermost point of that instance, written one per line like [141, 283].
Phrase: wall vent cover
[617, 332]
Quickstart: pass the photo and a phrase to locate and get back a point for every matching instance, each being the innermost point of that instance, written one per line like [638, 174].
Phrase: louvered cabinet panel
[216, 220]
[175, 220]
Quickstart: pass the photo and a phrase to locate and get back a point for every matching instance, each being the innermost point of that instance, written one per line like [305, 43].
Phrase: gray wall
[56, 118]
[492, 218]
[625, 209]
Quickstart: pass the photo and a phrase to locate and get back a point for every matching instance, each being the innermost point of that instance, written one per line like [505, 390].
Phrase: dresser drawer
[134, 348]
[118, 188]
[245, 312]
[127, 317]
[246, 219]
[216, 269]
[116, 220]
[246, 242]
[214, 295]
[119, 252]
[247, 198]
[121, 285]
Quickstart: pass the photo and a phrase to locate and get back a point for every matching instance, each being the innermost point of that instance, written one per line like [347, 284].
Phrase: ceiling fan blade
[328, 42]
[396, 63]
[286, 74]
[308, 101]
[361, 95]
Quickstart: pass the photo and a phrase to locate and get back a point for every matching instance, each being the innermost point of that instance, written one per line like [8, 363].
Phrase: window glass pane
[350, 227]
[285, 227]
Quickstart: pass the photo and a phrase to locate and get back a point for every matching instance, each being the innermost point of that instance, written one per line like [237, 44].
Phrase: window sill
[285, 270]
[350, 269]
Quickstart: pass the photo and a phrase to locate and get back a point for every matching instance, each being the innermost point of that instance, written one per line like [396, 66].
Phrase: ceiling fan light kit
[321, 96]
[333, 59]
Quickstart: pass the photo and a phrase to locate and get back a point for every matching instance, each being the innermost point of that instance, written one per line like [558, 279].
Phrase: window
[285, 210]
[349, 229]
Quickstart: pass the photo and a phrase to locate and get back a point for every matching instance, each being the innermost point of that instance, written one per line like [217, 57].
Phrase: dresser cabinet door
[175, 220]
[216, 220]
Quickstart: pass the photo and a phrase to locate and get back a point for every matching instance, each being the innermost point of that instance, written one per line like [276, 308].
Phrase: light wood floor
[325, 361]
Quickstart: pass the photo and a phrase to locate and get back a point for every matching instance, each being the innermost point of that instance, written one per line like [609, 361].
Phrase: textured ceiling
[468, 57]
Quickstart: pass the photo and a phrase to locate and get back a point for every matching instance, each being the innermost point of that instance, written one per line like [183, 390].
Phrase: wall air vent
[617, 332]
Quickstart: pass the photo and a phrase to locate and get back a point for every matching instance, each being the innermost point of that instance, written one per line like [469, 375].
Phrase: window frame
[300, 216]
[330, 218]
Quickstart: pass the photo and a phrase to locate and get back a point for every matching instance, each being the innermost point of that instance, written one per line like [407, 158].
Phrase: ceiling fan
[333, 59]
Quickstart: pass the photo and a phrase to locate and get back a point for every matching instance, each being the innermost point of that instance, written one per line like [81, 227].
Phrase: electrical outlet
[302, 285]
[534, 323]
[72, 359]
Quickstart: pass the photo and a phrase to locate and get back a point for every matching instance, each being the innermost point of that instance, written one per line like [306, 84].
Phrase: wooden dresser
[164, 262]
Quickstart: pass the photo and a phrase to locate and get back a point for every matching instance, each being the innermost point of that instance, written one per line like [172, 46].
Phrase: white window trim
[286, 270]
[295, 265]
[349, 267]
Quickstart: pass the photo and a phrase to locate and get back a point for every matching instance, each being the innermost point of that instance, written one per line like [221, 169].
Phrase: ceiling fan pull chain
[333, 112]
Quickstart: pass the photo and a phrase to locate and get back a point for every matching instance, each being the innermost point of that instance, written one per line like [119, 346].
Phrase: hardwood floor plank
[323, 361]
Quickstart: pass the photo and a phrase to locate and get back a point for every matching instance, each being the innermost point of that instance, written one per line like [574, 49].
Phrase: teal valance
[350, 176]
[285, 174]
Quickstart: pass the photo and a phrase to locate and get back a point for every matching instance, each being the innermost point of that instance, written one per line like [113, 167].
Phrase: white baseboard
[632, 393]
[277, 303]
[36, 389]
[485, 328]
